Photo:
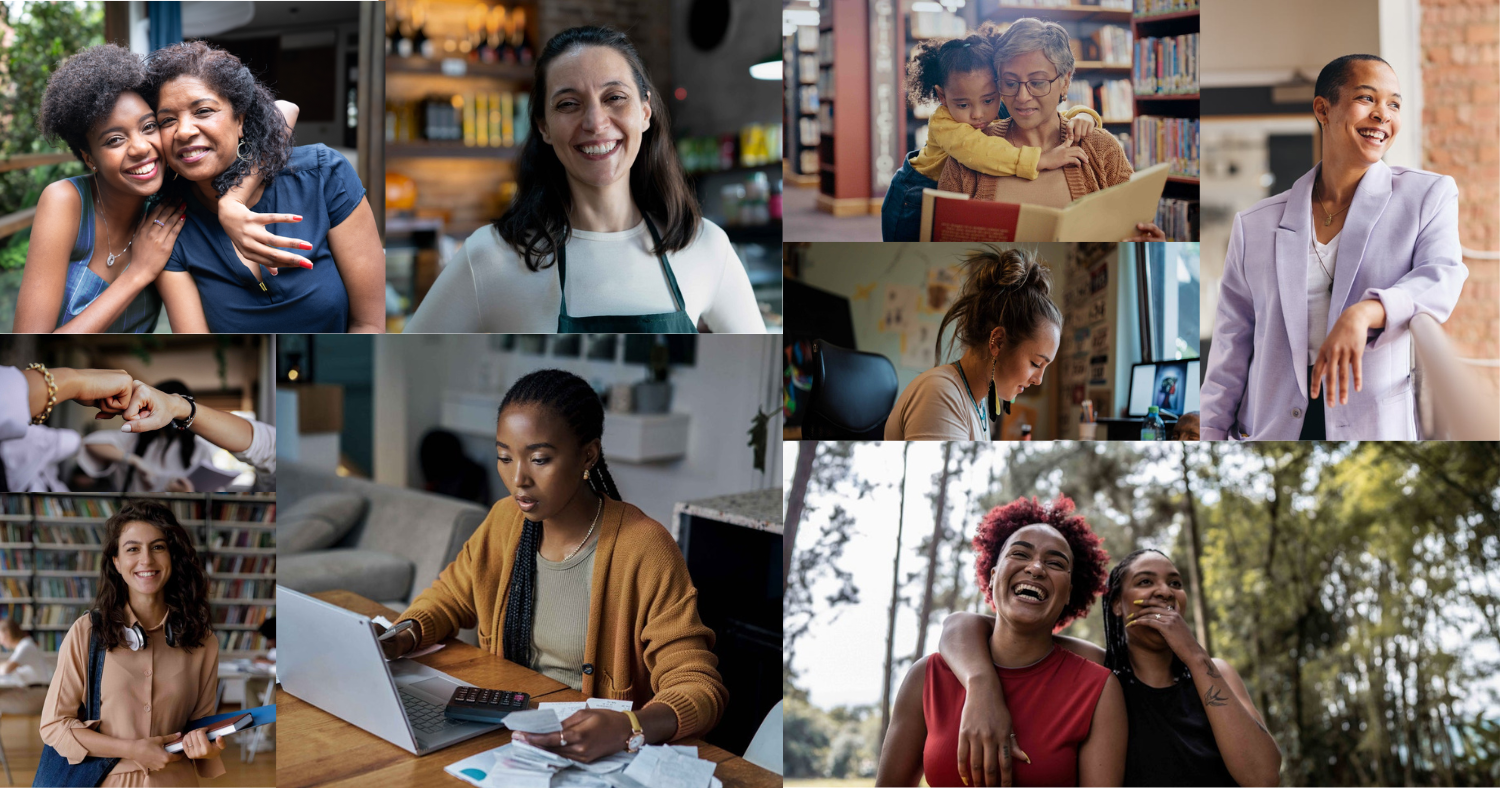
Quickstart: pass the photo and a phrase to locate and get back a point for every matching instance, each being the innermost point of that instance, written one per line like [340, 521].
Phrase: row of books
[16, 532]
[1111, 44]
[21, 614]
[1119, 5]
[241, 614]
[1178, 219]
[69, 534]
[69, 561]
[59, 506]
[14, 559]
[1174, 140]
[242, 589]
[243, 564]
[242, 537]
[15, 587]
[1112, 98]
[58, 615]
[1166, 66]
[240, 640]
[1153, 7]
[72, 587]
[15, 504]
[245, 512]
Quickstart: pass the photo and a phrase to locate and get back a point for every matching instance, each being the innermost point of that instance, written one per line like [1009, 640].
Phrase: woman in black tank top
[1191, 719]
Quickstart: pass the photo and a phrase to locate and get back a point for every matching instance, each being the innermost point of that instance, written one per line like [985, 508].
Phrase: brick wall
[647, 22]
[1461, 124]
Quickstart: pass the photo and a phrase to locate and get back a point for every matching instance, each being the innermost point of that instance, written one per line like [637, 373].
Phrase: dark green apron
[661, 323]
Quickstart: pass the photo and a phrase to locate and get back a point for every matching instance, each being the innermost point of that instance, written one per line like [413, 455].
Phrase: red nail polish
[307, 246]
[297, 219]
[305, 264]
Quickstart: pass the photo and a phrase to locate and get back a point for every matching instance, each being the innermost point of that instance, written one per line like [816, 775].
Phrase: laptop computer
[329, 657]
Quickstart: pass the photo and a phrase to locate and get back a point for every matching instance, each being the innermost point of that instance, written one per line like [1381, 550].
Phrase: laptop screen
[1172, 386]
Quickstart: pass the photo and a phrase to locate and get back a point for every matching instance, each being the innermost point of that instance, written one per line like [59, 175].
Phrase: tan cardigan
[1106, 167]
[644, 642]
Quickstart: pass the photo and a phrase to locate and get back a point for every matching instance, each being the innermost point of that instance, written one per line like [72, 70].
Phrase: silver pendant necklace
[1326, 272]
[99, 196]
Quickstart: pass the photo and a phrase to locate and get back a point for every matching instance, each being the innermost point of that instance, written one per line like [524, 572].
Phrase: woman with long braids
[566, 579]
[1009, 329]
[161, 658]
[1191, 719]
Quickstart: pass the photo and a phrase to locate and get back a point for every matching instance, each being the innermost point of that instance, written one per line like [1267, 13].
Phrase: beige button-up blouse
[151, 692]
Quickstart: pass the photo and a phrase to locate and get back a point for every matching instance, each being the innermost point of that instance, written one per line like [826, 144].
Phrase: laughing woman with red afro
[1040, 566]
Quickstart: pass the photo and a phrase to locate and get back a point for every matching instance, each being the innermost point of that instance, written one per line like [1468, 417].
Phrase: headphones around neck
[135, 637]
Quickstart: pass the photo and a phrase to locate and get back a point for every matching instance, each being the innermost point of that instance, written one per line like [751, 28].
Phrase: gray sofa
[394, 552]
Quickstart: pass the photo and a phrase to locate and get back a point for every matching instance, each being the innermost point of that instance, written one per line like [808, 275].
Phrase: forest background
[1355, 587]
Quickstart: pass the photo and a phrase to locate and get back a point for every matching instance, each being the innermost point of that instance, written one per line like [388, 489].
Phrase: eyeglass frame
[1027, 83]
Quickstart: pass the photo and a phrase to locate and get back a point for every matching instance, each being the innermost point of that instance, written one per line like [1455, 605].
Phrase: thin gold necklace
[1329, 217]
[590, 533]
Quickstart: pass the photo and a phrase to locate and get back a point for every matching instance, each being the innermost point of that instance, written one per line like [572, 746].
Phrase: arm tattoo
[1213, 672]
[1214, 698]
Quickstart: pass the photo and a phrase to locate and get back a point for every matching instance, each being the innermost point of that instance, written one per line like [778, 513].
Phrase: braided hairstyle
[1116, 647]
[933, 60]
[572, 398]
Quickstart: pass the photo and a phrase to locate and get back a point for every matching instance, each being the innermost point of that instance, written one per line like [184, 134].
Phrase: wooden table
[317, 748]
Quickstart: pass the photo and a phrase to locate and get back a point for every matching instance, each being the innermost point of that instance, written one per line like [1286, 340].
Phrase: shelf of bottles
[51, 551]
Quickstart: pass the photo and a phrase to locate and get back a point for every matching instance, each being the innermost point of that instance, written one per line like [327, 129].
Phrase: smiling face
[1021, 366]
[199, 131]
[595, 115]
[1033, 576]
[1028, 111]
[143, 559]
[125, 148]
[971, 97]
[1367, 115]
[539, 459]
[1153, 579]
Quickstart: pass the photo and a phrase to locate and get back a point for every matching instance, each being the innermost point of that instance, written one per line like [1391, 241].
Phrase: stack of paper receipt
[520, 765]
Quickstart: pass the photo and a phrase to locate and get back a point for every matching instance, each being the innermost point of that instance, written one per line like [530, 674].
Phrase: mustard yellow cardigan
[645, 642]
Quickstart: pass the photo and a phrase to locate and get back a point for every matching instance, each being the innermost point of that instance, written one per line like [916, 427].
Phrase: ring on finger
[158, 222]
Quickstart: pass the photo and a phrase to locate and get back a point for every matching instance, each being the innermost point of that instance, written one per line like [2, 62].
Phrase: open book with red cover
[1107, 215]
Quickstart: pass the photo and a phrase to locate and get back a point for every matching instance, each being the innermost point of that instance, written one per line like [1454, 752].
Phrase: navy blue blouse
[319, 185]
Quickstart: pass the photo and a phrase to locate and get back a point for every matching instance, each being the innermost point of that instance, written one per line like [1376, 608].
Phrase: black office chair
[852, 394]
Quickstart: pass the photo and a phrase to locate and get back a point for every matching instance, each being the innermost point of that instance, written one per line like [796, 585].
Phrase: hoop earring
[239, 151]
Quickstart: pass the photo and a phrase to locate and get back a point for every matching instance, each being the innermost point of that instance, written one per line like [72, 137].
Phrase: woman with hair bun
[566, 579]
[1009, 329]
[1040, 566]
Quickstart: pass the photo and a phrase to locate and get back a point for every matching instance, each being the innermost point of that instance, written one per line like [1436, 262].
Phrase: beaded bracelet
[51, 393]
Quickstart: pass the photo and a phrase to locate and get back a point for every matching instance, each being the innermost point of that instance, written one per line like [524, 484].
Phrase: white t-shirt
[31, 666]
[486, 288]
[1318, 297]
[935, 407]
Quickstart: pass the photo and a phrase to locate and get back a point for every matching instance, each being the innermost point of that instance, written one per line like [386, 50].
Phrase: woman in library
[1304, 311]
[218, 124]
[161, 659]
[1040, 566]
[1009, 328]
[25, 662]
[75, 280]
[166, 435]
[567, 579]
[599, 192]
[1033, 68]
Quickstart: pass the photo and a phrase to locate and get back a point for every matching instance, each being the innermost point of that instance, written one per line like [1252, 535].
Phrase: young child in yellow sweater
[960, 74]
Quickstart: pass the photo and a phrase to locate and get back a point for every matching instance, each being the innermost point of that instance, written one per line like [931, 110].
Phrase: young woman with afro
[1040, 567]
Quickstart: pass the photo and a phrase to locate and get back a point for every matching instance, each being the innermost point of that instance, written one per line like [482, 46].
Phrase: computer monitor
[1172, 386]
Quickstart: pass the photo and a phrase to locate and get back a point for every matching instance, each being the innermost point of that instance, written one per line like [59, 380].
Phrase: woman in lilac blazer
[1321, 282]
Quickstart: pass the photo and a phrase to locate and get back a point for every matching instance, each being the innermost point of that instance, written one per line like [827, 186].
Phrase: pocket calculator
[475, 704]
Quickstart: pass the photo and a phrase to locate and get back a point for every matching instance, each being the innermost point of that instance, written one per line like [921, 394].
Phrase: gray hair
[1029, 35]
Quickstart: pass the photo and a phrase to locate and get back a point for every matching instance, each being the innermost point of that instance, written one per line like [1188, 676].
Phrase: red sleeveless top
[1052, 707]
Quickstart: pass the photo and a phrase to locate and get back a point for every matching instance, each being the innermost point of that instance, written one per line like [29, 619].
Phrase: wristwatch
[637, 735]
[192, 413]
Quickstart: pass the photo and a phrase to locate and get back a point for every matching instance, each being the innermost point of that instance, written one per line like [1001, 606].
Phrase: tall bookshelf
[53, 548]
[1175, 111]
[800, 58]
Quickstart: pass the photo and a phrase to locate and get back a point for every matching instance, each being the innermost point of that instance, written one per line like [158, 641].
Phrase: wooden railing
[12, 223]
[1454, 401]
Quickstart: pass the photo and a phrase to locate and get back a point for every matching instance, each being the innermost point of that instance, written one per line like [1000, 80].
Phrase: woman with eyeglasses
[1033, 67]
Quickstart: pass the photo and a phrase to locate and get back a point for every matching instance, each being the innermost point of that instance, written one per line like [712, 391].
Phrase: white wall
[734, 376]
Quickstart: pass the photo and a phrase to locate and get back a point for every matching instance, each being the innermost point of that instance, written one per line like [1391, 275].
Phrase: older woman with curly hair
[100, 240]
[1040, 567]
[218, 124]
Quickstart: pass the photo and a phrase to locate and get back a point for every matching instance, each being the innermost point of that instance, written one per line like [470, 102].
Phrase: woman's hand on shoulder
[247, 231]
[155, 237]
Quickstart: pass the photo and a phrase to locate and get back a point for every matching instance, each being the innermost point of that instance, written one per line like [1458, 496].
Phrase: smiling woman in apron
[599, 189]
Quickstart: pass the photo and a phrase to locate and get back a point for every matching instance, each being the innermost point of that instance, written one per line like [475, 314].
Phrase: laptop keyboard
[425, 717]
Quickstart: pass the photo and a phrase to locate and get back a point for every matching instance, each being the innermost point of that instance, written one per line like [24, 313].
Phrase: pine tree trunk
[806, 450]
[932, 553]
[890, 623]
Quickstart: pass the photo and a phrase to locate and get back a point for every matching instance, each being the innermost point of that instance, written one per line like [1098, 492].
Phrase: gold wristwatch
[637, 734]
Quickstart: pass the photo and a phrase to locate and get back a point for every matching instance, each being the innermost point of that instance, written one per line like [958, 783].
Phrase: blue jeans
[901, 213]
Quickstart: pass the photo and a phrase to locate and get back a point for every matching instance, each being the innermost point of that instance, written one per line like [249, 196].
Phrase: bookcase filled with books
[1166, 125]
[800, 57]
[53, 549]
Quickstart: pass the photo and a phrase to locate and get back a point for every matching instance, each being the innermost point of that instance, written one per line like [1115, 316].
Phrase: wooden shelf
[1099, 65]
[1076, 12]
[1167, 17]
[1182, 179]
[448, 150]
[423, 66]
[1166, 97]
